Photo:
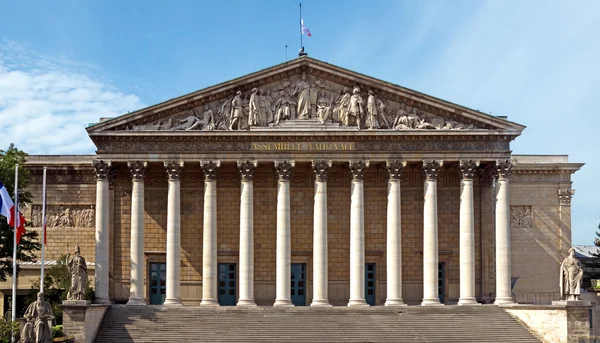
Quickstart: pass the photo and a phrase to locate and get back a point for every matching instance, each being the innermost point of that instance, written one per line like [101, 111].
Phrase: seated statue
[37, 329]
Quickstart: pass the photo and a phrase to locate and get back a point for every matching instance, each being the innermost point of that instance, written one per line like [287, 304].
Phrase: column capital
[284, 169]
[504, 168]
[468, 168]
[431, 168]
[174, 169]
[394, 168]
[210, 169]
[102, 169]
[247, 169]
[357, 168]
[565, 195]
[320, 168]
[137, 169]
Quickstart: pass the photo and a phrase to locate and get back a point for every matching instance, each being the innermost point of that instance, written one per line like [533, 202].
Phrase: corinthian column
[430, 234]
[503, 273]
[284, 250]
[394, 235]
[467, 234]
[357, 235]
[173, 296]
[320, 278]
[247, 170]
[209, 238]
[102, 239]
[136, 282]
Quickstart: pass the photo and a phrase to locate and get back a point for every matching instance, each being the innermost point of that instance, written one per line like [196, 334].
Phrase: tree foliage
[29, 243]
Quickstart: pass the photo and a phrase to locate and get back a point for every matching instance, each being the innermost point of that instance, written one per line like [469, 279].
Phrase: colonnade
[283, 250]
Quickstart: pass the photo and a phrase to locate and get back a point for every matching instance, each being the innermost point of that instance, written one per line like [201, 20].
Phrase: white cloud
[45, 104]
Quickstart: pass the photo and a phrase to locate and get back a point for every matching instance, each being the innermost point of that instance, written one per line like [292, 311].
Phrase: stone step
[153, 324]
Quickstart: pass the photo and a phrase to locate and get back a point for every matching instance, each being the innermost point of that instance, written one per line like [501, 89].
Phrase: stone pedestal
[82, 320]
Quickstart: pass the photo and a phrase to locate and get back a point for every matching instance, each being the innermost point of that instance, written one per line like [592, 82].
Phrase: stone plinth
[82, 320]
[556, 323]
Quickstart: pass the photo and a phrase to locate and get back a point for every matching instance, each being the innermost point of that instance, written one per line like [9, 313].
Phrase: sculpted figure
[264, 110]
[223, 111]
[384, 120]
[78, 269]
[355, 109]
[207, 120]
[253, 108]
[402, 121]
[37, 330]
[237, 111]
[267, 105]
[302, 91]
[372, 112]
[341, 109]
[323, 108]
[571, 274]
[192, 120]
[283, 109]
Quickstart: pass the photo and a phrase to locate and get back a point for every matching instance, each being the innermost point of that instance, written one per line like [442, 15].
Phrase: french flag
[7, 209]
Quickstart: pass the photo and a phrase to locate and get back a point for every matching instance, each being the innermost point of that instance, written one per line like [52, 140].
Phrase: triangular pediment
[283, 96]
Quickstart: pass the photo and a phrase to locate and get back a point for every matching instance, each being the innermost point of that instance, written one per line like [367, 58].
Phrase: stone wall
[538, 243]
[555, 324]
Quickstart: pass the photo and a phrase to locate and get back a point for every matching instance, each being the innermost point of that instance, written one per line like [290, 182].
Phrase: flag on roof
[304, 29]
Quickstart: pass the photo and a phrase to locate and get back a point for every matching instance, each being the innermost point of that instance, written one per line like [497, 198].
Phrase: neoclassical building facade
[308, 184]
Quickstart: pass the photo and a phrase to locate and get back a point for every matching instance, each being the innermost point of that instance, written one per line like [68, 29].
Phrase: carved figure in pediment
[384, 120]
[283, 109]
[355, 115]
[372, 112]
[302, 92]
[223, 113]
[254, 108]
[190, 120]
[341, 105]
[267, 105]
[454, 125]
[237, 112]
[323, 107]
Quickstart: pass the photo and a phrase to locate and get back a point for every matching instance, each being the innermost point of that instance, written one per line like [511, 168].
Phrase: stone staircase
[486, 323]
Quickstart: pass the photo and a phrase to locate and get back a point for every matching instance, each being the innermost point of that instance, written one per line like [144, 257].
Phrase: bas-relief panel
[521, 217]
[304, 97]
[64, 216]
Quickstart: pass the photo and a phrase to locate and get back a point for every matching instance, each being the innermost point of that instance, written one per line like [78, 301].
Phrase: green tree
[29, 242]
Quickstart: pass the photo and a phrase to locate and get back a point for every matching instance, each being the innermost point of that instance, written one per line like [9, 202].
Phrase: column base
[395, 302]
[320, 303]
[136, 301]
[209, 302]
[468, 301]
[358, 302]
[504, 301]
[283, 302]
[104, 301]
[246, 302]
[431, 302]
[173, 302]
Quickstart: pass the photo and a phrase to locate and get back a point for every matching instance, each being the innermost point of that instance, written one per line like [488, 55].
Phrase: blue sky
[64, 64]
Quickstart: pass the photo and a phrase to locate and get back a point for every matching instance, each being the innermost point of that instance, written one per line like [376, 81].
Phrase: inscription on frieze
[303, 146]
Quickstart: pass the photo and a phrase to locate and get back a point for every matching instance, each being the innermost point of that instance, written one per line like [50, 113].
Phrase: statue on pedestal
[571, 274]
[37, 329]
[78, 269]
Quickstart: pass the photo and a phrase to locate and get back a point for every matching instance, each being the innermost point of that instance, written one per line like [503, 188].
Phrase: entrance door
[158, 283]
[227, 276]
[441, 281]
[298, 284]
[370, 283]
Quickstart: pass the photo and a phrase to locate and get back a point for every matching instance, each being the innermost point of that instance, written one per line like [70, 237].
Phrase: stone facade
[537, 200]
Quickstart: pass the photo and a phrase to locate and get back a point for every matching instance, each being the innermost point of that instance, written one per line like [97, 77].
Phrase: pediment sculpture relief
[302, 98]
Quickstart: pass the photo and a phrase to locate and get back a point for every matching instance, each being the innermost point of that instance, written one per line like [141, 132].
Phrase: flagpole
[16, 222]
[301, 26]
[43, 229]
